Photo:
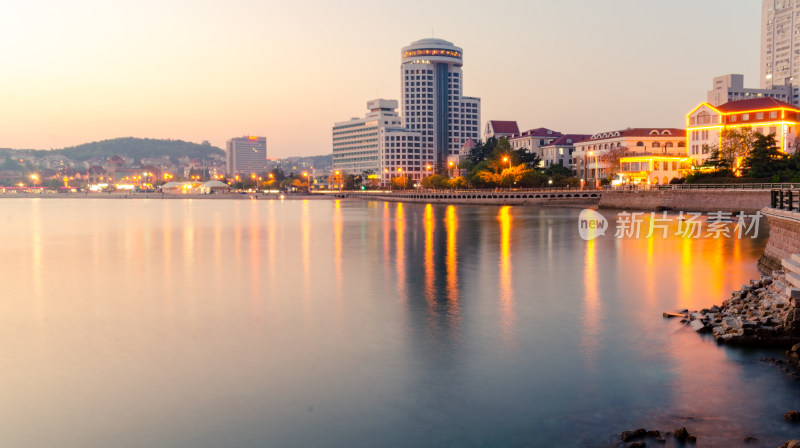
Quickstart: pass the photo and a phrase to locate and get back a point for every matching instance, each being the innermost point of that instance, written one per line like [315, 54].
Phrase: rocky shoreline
[764, 313]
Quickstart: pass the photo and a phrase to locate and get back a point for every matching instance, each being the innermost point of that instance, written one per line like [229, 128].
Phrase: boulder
[633, 435]
[637, 445]
[681, 434]
[698, 326]
[792, 416]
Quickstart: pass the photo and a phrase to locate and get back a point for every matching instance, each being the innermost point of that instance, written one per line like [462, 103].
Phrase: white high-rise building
[377, 144]
[246, 155]
[780, 39]
[433, 101]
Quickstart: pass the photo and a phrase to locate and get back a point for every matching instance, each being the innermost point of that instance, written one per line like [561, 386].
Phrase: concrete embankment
[784, 239]
[748, 201]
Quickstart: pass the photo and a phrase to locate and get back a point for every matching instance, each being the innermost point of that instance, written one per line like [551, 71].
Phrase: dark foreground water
[190, 323]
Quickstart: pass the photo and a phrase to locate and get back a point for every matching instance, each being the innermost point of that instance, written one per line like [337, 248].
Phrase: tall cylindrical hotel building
[432, 99]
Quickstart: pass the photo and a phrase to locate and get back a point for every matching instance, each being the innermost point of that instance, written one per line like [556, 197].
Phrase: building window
[639, 143]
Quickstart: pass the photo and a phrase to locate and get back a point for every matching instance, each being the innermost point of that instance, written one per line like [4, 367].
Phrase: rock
[633, 435]
[792, 416]
[794, 293]
[637, 445]
[671, 315]
[791, 444]
[698, 326]
[691, 439]
[749, 439]
[681, 434]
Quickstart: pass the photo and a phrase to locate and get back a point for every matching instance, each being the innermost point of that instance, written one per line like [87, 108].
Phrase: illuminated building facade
[780, 36]
[245, 155]
[652, 169]
[377, 144]
[704, 124]
[731, 88]
[434, 105]
[590, 160]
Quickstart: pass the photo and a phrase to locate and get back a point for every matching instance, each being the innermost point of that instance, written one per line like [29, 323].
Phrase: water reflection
[400, 251]
[451, 260]
[402, 332]
[590, 326]
[508, 319]
[337, 248]
[429, 224]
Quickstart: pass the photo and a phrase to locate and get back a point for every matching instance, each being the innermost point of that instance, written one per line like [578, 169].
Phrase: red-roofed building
[597, 157]
[500, 129]
[534, 139]
[705, 123]
[559, 151]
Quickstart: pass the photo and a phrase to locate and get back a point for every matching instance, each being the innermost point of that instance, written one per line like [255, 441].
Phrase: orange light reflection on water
[337, 248]
[590, 328]
[507, 312]
[451, 260]
[429, 224]
[400, 262]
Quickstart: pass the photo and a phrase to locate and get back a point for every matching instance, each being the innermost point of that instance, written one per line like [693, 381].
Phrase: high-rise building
[433, 101]
[780, 36]
[731, 88]
[376, 144]
[245, 155]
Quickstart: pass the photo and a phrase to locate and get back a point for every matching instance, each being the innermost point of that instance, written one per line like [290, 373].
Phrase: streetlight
[400, 170]
[450, 168]
[308, 182]
[339, 180]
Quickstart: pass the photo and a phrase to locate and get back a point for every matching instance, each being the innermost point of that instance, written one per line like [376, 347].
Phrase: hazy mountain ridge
[129, 147]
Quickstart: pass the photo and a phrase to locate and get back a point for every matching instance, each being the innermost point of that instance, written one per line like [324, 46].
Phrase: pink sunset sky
[89, 70]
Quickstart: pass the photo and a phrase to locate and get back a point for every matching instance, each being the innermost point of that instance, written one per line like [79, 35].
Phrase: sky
[89, 70]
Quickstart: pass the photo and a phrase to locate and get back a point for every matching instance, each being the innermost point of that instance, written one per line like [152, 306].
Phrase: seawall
[784, 238]
[748, 201]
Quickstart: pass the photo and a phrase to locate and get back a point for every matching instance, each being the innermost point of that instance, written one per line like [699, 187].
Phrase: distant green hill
[135, 148]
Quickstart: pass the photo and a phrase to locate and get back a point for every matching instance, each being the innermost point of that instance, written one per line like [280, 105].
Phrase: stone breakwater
[763, 313]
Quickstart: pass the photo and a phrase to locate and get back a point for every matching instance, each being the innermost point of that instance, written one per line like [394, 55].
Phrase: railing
[764, 186]
[785, 199]
[461, 191]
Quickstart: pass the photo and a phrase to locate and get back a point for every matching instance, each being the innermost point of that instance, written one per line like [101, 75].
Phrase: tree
[610, 159]
[401, 183]
[482, 151]
[458, 183]
[764, 160]
[277, 174]
[531, 159]
[557, 169]
[485, 179]
[735, 143]
[435, 181]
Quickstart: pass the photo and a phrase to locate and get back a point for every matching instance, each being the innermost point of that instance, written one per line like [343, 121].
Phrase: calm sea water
[191, 323]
